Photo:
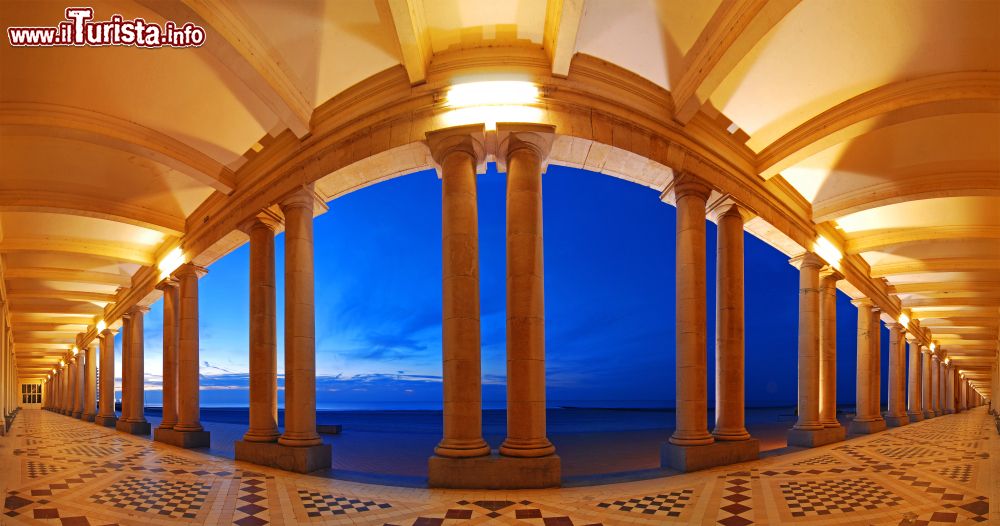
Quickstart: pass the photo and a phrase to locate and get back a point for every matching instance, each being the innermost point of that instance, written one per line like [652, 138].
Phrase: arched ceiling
[880, 119]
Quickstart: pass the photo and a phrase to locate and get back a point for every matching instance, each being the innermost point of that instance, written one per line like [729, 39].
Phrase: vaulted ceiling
[884, 117]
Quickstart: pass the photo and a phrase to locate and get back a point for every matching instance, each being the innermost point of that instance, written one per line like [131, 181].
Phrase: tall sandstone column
[106, 411]
[263, 331]
[526, 425]
[458, 152]
[875, 396]
[936, 385]
[866, 420]
[90, 393]
[807, 429]
[896, 415]
[188, 431]
[828, 348]
[171, 341]
[729, 327]
[691, 397]
[133, 419]
[914, 409]
[926, 375]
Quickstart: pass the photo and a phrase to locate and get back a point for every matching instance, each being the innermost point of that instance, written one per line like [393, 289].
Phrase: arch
[73, 204]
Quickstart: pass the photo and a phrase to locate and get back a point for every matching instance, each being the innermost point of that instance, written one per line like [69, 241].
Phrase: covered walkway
[937, 471]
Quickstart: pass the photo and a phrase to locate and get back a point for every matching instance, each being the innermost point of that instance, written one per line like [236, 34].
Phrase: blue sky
[609, 301]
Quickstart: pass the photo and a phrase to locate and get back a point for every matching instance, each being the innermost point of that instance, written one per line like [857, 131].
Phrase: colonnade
[8, 371]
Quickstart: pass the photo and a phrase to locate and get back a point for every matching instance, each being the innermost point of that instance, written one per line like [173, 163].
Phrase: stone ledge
[494, 472]
[106, 421]
[929, 414]
[815, 438]
[88, 418]
[272, 454]
[866, 427]
[915, 417]
[897, 421]
[134, 428]
[184, 439]
[718, 453]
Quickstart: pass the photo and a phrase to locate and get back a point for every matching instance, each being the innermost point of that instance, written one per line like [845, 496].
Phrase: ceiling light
[827, 250]
[933, 346]
[170, 262]
[75, 350]
[101, 326]
[490, 93]
[904, 320]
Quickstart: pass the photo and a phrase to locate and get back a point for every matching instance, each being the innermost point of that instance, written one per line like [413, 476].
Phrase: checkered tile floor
[67, 472]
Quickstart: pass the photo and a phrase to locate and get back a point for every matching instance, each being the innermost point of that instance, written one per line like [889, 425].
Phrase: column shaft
[263, 335]
[188, 396]
[136, 376]
[171, 341]
[863, 403]
[828, 348]
[526, 425]
[808, 381]
[875, 338]
[300, 322]
[897, 376]
[75, 385]
[936, 385]
[927, 391]
[691, 428]
[729, 329]
[462, 376]
[126, 333]
[90, 396]
[915, 409]
[107, 404]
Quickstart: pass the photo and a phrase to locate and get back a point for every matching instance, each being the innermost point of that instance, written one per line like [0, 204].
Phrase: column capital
[685, 183]
[830, 274]
[108, 333]
[138, 310]
[167, 282]
[302, 197]
[807, 259]
[189, 269]
[727, 205]
[895, 326]
[264, 219]
[469, 139]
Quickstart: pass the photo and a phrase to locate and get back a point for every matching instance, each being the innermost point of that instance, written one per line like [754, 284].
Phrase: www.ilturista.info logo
[79, 29]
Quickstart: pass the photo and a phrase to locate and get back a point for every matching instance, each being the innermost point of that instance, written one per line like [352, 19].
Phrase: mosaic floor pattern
[58, 471]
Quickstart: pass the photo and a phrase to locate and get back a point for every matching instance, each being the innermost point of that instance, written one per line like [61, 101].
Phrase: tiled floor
[58, 471]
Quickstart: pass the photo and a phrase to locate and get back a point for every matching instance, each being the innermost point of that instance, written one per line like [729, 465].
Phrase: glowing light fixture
[933, 346]
[75, 350]
[947, 361]
[827, 250]
[53, 371]
[170, 262]
[492, 93]
[62, 363]
[101, 326]
[904, 320]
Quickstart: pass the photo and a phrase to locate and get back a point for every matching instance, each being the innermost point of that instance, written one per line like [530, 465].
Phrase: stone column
[187, 432]
[926, 375]
[691, 397]
[914, 410]
[76, 385]
[876, 363]
[90, 393]
[963, 391]
[808, 423]
[526, 426]
[828, 347]
[729, 326]
[106, 411]
[936, 385]
[458, 152]
[300, 324]
[169, 286]
[864, 419]
[943, 387]
[896, 415]
[263, 331]
[133, 418]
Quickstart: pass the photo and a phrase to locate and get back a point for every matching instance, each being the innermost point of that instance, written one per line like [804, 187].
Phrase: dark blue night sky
[609, 301]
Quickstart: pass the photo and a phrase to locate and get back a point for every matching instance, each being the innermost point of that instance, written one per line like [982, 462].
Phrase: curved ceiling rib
[33, 119]
[112, 210]
[927, 185]
[935, 265]
[943, 94]
[871, 240]
[945, 286]
[68, 275]
[102, 249]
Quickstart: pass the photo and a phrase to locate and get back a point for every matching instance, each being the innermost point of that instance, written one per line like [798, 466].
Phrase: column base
[133, 428]
[106, 421]
[949, 411]
[815, 437]
[718, 453]
[184, 439]
[88, 418]
[929, 414]
[897, 421]
[494, 471]
[272, 454]
[77, 414]
[866, 427]
[915, 417]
